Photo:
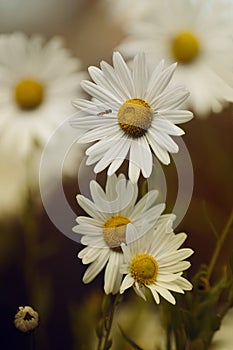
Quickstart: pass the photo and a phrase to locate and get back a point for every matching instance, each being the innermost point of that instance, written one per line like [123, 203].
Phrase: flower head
[114, 215]
[26, 319]
[155, 262]
[197, 35]
[35, 93]
[133, 113]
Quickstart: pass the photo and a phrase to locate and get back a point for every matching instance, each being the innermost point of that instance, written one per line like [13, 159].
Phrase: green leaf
[130, 341]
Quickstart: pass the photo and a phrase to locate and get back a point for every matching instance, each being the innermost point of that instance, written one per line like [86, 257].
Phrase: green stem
[108, 317]
[220, 244]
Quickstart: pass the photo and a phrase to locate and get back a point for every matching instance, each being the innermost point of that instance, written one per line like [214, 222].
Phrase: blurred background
[52, 282]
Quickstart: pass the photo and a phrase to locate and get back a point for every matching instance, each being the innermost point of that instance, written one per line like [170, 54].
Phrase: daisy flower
[155, 262]
[37, 81]
[113, 214]
[196, 34]
[133, 113]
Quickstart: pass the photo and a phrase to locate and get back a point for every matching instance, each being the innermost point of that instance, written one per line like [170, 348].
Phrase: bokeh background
[52, 285]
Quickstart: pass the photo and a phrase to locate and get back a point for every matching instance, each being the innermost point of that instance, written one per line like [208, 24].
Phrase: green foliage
[199, 313]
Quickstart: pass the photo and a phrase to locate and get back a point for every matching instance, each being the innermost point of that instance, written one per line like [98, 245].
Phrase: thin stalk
[220, 244]
[108, 318]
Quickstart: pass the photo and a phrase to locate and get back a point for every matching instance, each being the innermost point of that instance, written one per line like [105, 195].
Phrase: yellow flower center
[185, 47]
[114, 231]
[144, 269]
[29, 94]
[135, 117]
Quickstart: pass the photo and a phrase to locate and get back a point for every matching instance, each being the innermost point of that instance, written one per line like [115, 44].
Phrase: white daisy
[37, 81]
[154, 261]
[198, 35]
[133, 112]
[113, 215]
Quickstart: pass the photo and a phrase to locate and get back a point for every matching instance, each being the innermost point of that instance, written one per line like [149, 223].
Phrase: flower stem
[107, 321]
[220, 244]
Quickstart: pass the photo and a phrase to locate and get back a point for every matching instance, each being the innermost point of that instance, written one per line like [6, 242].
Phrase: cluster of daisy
[132, 114]
[195, 33]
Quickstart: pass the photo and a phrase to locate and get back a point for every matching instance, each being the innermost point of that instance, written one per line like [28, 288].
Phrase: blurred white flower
[38, 16]
[126, 11]
[26, 319]
[133, 114]
[37, 82]
[155, 262]
[113, 214]
[198, 35]
[223, 338]
[12, 185]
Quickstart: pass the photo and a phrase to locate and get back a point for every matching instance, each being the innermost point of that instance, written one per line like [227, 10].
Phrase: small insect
[107, 111]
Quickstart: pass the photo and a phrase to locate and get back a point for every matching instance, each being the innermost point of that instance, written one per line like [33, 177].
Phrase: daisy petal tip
[122, 291]
[166, 162]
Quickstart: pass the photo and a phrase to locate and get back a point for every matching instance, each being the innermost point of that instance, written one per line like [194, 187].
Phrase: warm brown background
[92, 36]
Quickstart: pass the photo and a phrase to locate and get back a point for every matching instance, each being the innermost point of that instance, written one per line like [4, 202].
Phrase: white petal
[166, 294]
[87, 230]
[145, 203]
[118, 150]
[127, 282]
[99, 78]
[140, 75]
[134, 172]
[170, 286]
[124, 74]
[172, 258]
[90, 208]
[111, 272]
[100, 93]
[165, 141]
[95, 242]
[157, 149]
[160, 124]
[157, 86]
[111, 77]
[154, 293]
[177, 116]
[139, 290]
[95, 268]
[101, 132]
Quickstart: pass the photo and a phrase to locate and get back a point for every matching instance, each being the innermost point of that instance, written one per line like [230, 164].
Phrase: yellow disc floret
[144, 269]
[185, 47]
[135, 117]
[29, 94]
[114, 231]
